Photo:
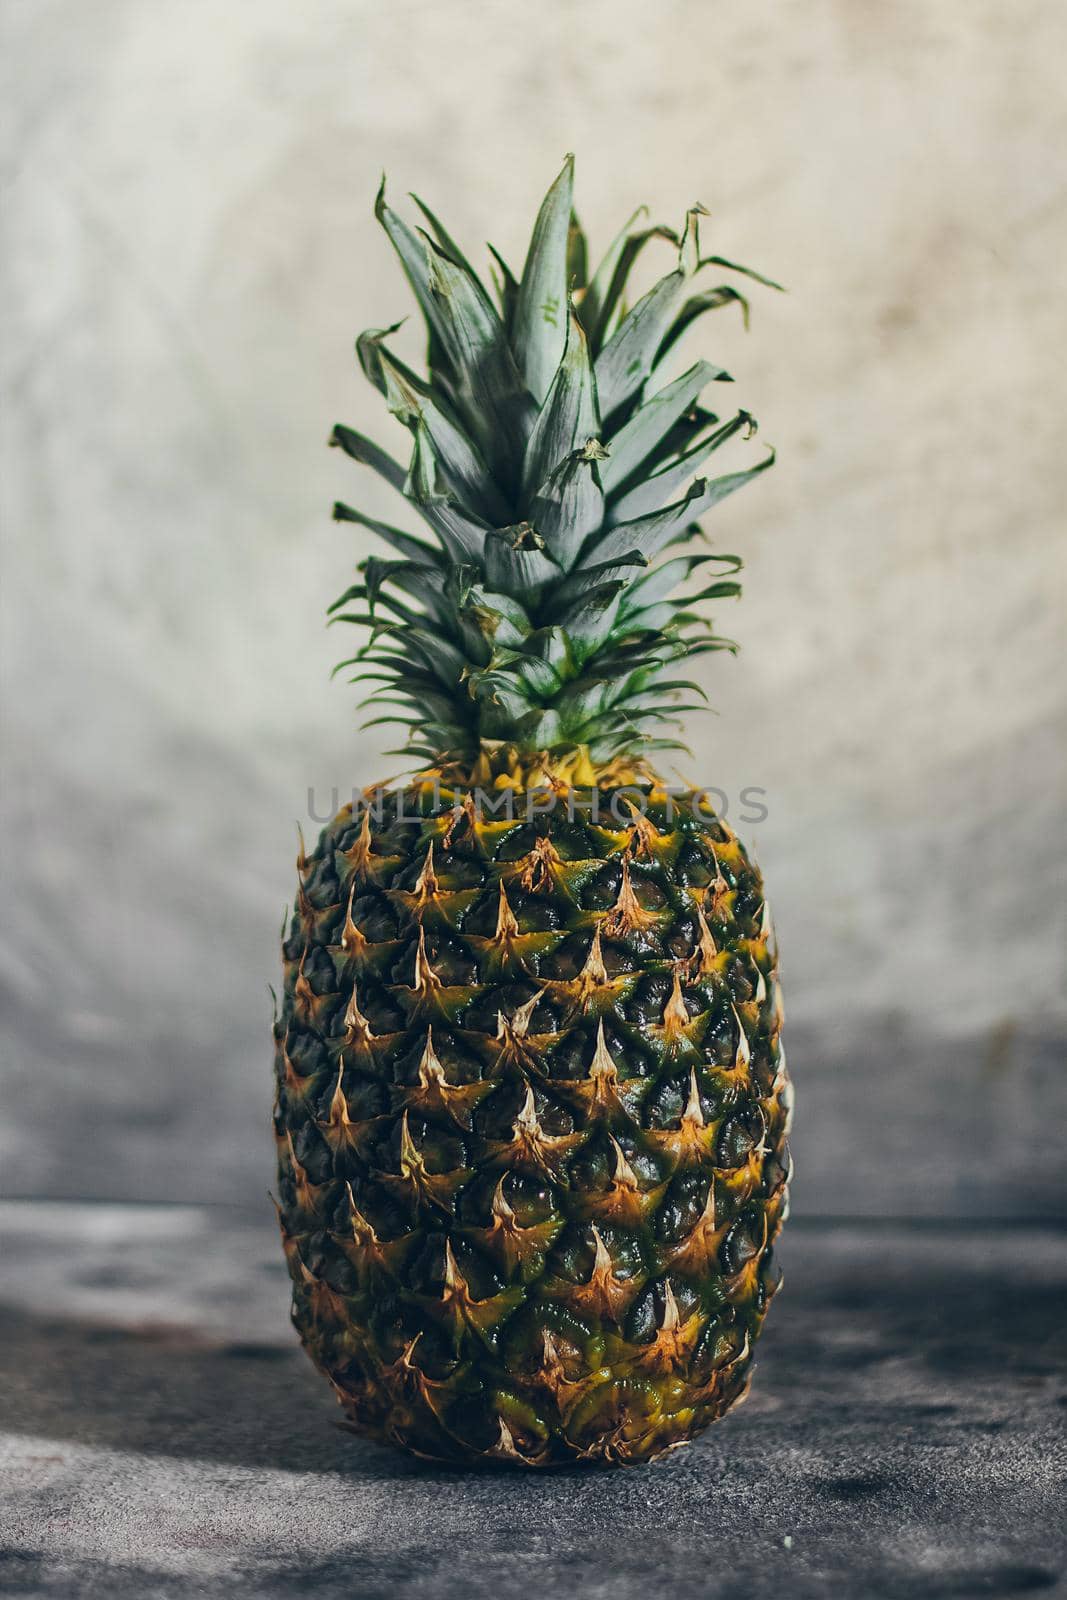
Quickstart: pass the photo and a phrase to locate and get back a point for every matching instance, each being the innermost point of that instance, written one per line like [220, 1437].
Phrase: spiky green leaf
[540, 331]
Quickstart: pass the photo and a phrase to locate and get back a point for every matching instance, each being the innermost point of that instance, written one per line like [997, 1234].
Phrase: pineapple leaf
[368, 453]
[587, 621]
[590, 305]
[405, 543]
[719, 488]
[656, 531]
[369, 346]
[516, 561]
[458, 458]
[663, 580]
[582, 579]
[637, 438]
[489, 389]
[507, 290]
[695, 306]
[569, 415]
[461, 535]
[655, 490]
[716, 591]
[412, 255]
[498, 616]
[603, 302]
[569, 507]
[577, 256]
[451, 249]
[540, 330]
[630, 352]
[735, 266]
[648, 534]
[626, 358]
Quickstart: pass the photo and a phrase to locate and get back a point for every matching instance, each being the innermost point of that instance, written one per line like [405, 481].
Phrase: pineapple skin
[531, 1118]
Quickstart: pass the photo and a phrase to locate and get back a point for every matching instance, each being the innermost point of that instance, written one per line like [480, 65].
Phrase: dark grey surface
[905, 1436]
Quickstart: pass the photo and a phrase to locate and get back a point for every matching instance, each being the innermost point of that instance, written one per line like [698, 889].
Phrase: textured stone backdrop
[190, 251]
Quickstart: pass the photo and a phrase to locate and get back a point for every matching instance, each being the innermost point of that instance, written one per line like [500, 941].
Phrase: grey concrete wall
[190, 251]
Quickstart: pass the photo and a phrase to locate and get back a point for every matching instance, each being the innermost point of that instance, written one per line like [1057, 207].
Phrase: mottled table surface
[163, 1436]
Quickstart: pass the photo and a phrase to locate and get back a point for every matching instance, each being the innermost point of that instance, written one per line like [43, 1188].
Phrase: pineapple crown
[554, 468]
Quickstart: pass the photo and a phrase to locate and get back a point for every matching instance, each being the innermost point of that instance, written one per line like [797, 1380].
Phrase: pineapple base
[531, 1118]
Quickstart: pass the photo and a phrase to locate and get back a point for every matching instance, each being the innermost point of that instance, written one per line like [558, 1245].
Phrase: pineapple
[531, 1102]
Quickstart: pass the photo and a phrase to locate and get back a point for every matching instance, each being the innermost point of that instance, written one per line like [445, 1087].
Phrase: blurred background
[190, 252]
